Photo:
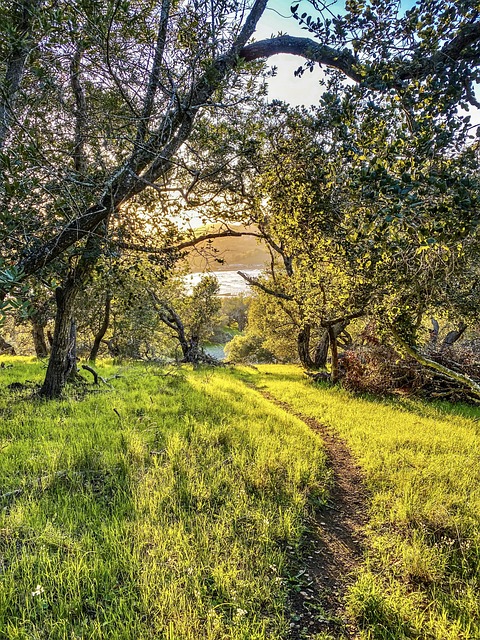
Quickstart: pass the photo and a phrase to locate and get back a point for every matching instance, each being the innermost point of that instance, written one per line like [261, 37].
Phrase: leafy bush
[248, 347]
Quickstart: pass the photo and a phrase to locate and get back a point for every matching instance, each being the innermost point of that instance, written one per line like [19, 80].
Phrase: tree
[448, 46]
[81, 155]
[191, 317]
[360, 222]
[429, 55]
[120, 129]
[235, 311]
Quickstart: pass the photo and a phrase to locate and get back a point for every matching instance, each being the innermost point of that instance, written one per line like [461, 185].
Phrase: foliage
[362, 218]
[427, 56]
[202, 307]
[140, 290]
[248, 347]
[92, 116]
[234, 311]
[270, 332]
[10, 280]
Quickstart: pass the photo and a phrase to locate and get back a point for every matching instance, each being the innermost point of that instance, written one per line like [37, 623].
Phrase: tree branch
[155, 73]
[157, 152]
[306, 48]
[431, 364]
[345, 61]
[346, 318]
[79, 158]
[15, 65]
[187, 243]
[254, 282]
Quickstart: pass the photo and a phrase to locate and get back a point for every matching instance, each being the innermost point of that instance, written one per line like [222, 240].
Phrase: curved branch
[346, 318]
[345, 61]
[306, 48]
[254, 282]
[187, 243]
[431, 364]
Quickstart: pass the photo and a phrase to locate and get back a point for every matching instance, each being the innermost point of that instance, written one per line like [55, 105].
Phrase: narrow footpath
[334, 545]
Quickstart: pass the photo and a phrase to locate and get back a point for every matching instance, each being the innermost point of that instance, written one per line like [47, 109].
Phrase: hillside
[242, 503]
[246, 252]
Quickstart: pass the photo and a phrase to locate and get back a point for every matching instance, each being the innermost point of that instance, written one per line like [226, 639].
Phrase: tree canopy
[112, 113]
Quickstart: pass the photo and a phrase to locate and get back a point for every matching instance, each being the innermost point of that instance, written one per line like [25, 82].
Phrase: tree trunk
[191, 351]
[453, 336]
[39, 341]
[303, 346]
[112, 347]
[103, 329]
[334, 374]
[321, 351]
[62, 362]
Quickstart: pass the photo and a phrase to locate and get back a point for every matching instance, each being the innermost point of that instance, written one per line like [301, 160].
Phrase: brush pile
[374, 367]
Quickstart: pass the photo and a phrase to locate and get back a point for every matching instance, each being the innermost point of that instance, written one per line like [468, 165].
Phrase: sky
[285, 86]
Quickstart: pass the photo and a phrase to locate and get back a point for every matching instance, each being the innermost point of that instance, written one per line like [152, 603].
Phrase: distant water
[215, 350]
[231, 284]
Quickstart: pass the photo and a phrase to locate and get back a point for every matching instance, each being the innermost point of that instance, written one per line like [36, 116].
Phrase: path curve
[335, 544]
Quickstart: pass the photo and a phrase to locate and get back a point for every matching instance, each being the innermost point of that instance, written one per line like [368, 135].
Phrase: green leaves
[10, 280]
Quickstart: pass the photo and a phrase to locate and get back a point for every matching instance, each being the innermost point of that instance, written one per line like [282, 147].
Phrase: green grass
[421, 578]
[162, 509]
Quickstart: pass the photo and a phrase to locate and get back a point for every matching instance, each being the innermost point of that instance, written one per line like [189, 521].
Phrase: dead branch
[456, 376]
[96, 376]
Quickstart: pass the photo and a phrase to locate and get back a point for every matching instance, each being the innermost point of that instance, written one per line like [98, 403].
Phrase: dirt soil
[334, 546]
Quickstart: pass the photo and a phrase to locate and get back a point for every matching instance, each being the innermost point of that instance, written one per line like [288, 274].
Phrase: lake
[231, 284]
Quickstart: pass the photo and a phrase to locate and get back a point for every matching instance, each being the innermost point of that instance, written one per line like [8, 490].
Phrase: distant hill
[245, 252]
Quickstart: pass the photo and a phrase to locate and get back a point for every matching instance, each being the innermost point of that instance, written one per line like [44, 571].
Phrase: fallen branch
[431, 364]
[96, 376]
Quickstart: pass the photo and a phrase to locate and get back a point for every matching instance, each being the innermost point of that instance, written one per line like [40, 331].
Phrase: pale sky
[285, 86]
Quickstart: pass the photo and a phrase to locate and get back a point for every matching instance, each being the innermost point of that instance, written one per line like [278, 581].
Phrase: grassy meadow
[170, 507]
[161, 509]
[421, 577]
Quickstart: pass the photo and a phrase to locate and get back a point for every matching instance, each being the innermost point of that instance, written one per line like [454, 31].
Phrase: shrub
[248, 348]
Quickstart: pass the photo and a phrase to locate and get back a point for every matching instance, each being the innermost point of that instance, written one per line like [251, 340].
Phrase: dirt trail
[334, 547]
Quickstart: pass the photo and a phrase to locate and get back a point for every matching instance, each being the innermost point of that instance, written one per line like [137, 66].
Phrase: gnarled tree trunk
[103, 329]
[192, 351]
[321, 351]
[334, 373]
[303, 347]
[62, 362]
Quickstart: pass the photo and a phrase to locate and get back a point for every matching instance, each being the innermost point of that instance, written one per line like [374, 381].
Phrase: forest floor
[244, 504]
